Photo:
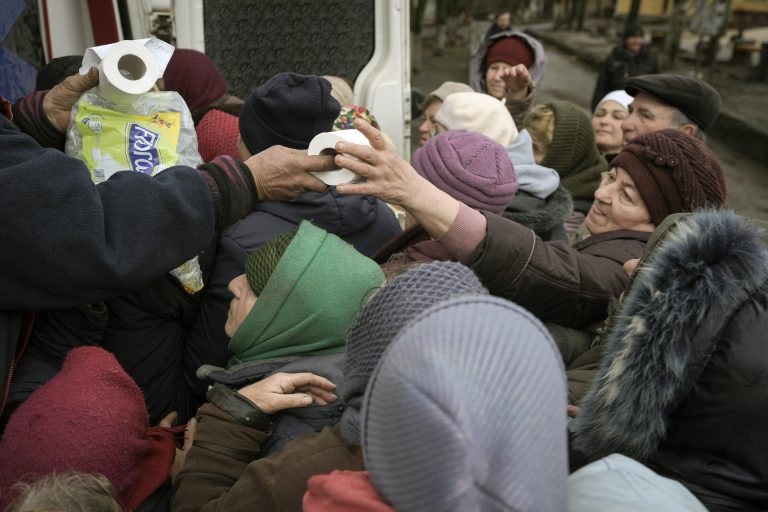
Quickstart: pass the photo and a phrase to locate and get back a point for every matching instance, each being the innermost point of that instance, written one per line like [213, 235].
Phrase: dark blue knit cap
[288, 110]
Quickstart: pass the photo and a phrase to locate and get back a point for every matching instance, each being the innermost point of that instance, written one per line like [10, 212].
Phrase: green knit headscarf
[310, 284]
[573, 152]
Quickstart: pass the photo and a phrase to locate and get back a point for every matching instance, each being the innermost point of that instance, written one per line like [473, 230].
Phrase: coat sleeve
[67, 241]
[221, 452]
[217, 475]
[520, 108]
[551, 279]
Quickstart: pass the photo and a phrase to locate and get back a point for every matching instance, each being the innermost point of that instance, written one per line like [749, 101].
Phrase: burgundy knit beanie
[217, 135]
[673, 172]
[469, 167]
[511, 50]
[195, 77]
[90, 417]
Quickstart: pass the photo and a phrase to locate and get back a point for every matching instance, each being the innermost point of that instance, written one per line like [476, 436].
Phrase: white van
[365, 41]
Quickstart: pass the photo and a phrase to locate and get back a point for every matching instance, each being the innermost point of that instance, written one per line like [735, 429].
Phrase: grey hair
[70, 491]
[679, 119]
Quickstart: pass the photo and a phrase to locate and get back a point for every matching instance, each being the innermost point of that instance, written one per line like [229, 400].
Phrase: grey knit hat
[466, 411]
[379, 321]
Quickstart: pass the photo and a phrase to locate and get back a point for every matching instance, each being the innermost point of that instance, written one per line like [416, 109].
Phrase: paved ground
[568, 78]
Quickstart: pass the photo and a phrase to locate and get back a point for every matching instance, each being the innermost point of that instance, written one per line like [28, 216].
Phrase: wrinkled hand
[289, 390]
[573, 410]
[282, 174]
[389, 177]
[58, 102]
[518, 81]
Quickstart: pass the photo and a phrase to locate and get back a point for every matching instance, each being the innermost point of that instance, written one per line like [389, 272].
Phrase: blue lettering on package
[142, 151]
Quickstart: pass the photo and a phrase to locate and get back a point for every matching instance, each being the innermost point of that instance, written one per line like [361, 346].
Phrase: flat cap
[695, 98]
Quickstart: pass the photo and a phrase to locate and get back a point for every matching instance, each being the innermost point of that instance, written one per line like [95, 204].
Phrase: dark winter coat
[147, 331]
[620, 65]
[568, 285]
[683, 382]
[68, 242]
[55, 333]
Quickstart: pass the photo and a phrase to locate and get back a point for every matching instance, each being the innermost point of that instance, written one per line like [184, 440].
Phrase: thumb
[78, 83]
[189, 434]
[313, 183]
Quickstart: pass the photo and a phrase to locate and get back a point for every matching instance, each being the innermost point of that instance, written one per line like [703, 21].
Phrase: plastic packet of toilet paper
[154, 133]
[148, 136]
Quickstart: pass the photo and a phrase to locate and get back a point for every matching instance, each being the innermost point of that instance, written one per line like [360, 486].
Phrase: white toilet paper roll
[324, 143]
[127, 70]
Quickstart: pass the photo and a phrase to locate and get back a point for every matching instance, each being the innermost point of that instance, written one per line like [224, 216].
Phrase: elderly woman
[660, 173]
[509, 65]
[435, 99]
[223, 469]
[612, 110]
[289, 314]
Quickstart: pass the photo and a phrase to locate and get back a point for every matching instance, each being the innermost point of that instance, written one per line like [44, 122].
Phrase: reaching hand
[58, 102]
[389, 177]
[518, 81]
[289, 390]
[392, 179]
[281, 173]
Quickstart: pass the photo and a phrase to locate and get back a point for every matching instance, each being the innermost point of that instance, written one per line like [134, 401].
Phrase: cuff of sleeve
[213, 422]
[6, 108]
[232, 187]
[465, 234]
[239, 407]
[29, 116]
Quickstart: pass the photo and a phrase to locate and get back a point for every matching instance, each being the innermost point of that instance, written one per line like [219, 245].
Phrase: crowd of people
[569, 317]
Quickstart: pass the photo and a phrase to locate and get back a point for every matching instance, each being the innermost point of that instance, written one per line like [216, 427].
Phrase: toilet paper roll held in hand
[325, 143]
[128, 70]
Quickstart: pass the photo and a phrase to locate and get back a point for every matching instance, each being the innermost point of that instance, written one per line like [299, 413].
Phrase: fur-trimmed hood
[698, 271]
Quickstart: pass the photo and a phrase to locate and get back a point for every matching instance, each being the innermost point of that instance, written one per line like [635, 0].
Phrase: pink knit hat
[90, 417]
[217, 134]
[469, 167]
